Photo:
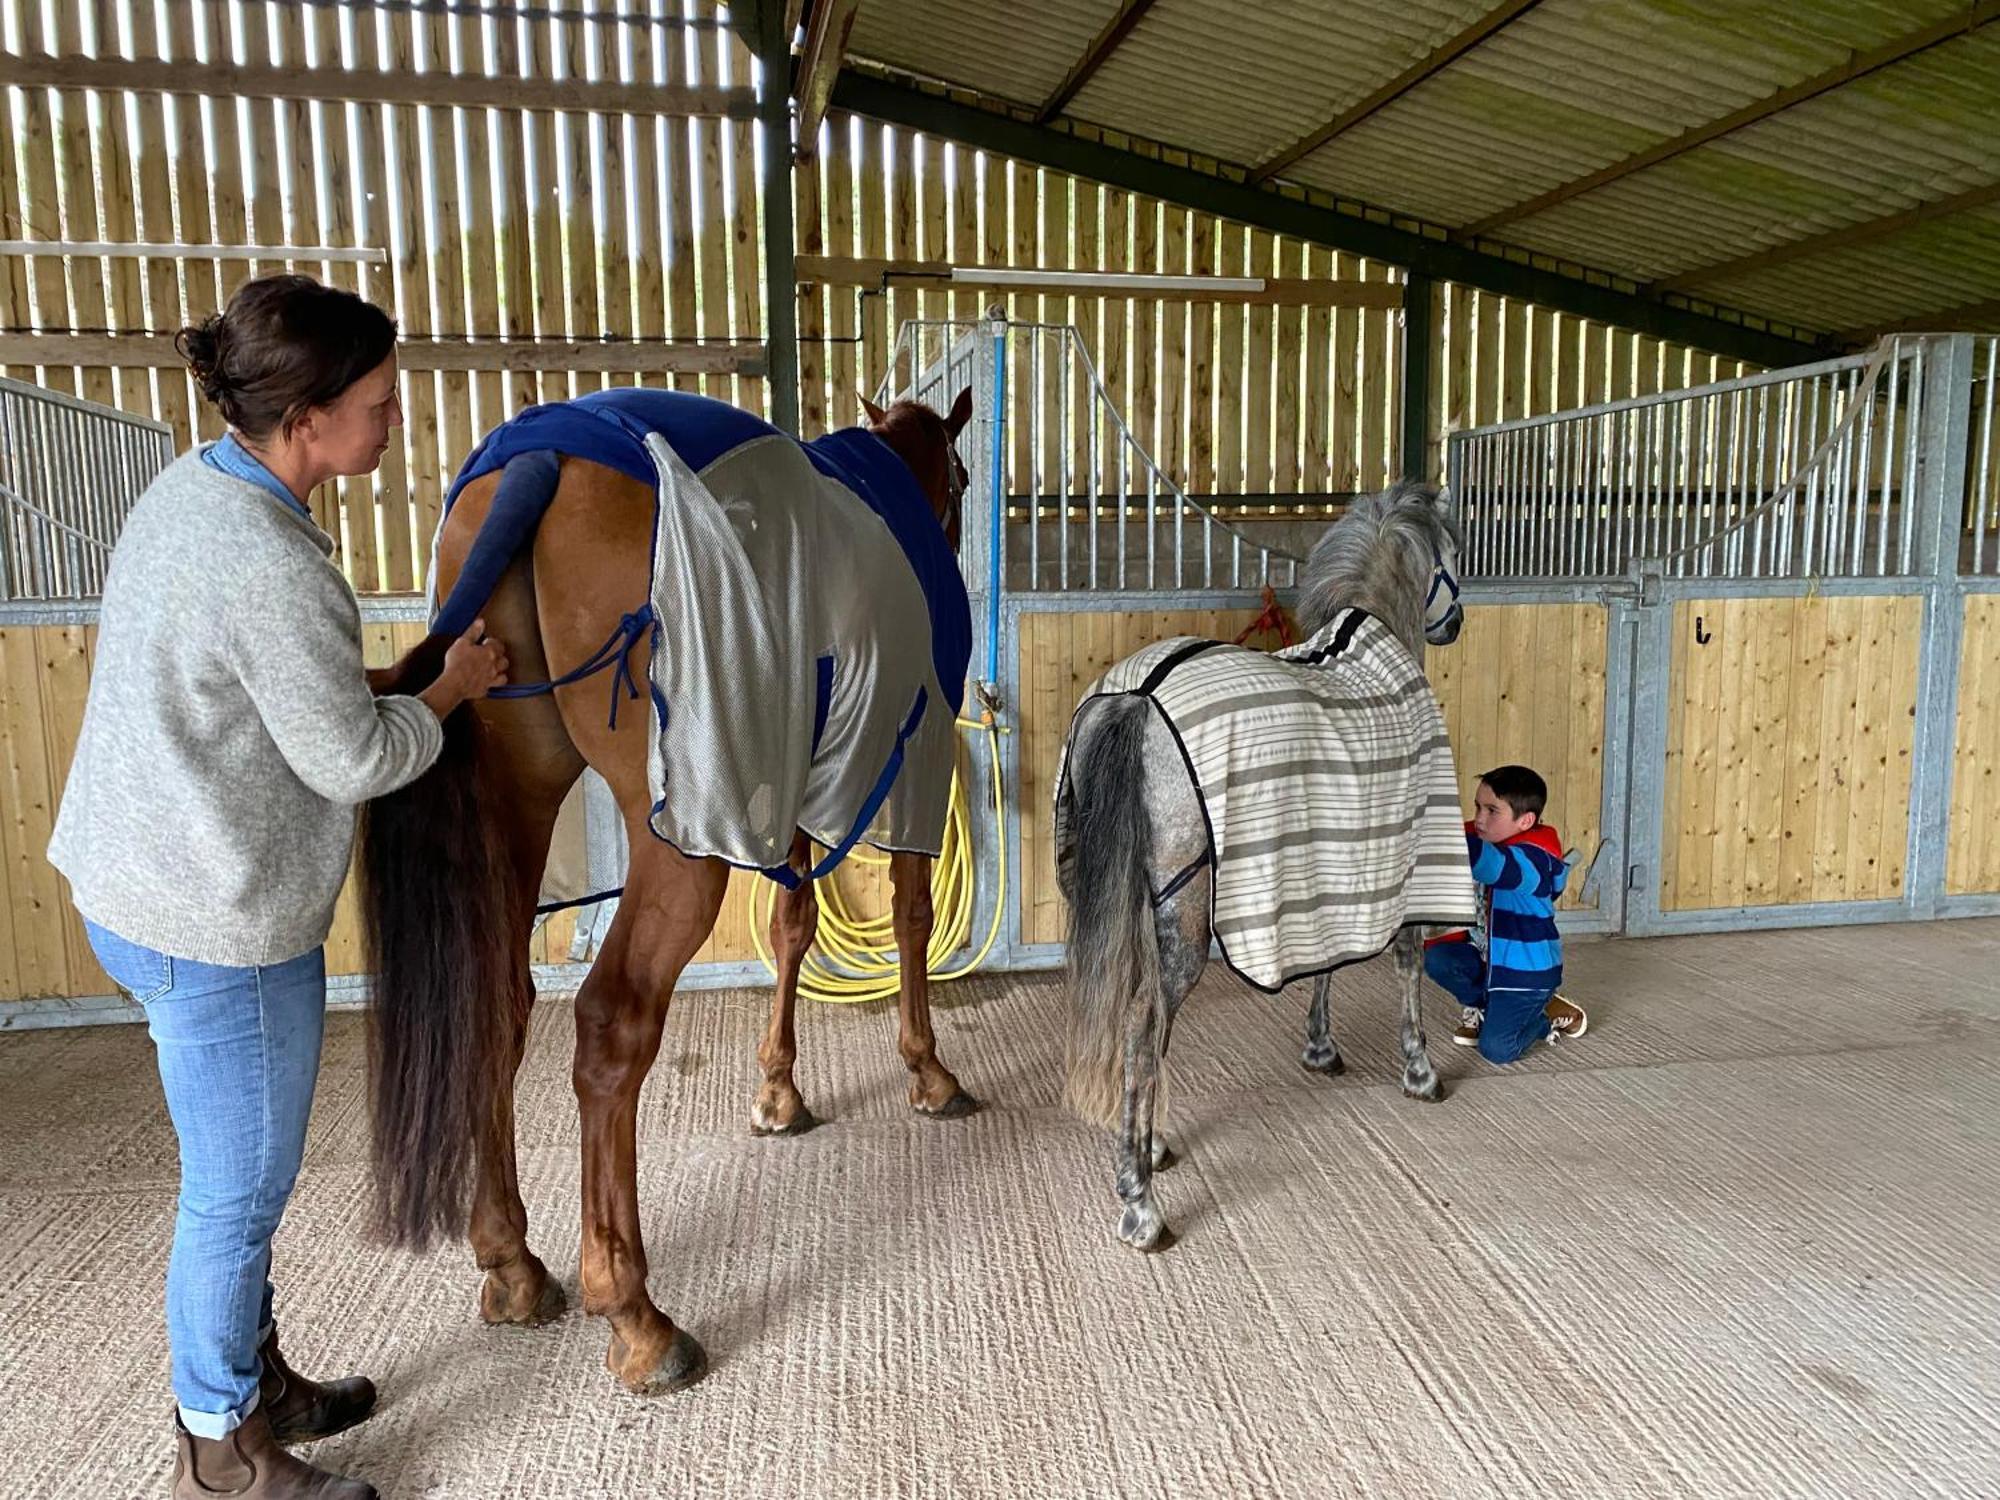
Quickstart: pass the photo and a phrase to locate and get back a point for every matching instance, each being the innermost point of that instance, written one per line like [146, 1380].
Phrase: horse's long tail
[434, 881]
[1114, 949]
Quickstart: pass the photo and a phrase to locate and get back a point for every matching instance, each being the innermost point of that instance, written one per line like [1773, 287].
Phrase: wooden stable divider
[1789, 736]
[1525, 684]
[1973, 865]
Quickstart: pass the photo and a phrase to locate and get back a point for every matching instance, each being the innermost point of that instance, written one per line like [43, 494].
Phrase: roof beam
[826, 47]
[1441, 259]
[1946, 320]
[1833, 239]
[1108, 41]
[1439, 59]
[1859, 65]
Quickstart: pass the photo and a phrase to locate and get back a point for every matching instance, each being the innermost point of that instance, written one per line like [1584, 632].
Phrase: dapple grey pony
[1139, 823]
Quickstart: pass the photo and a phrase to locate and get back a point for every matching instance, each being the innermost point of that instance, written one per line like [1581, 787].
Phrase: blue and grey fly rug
[809, 626]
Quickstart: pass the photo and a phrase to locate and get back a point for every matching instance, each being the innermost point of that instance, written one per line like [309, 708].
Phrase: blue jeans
[1515, 1019]
[239, 1055]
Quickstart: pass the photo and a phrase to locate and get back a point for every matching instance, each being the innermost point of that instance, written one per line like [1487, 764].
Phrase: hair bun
[200, 345]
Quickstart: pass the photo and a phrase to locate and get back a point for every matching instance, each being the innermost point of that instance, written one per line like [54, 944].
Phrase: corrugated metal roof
[1248, 81]
[1880, 146]
[1567, 88]
[1940, 266]
[1017, 50]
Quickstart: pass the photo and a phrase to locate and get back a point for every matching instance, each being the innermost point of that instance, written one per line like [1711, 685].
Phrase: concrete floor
[1743, 1239]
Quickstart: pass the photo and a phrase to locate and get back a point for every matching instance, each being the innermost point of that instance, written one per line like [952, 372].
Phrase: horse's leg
[779, 1109]
[933, 1090]
[532, 764]
[593, 559]
[1322, 1054]
[1420, 1079]
[518, 1287]
[670, 903]
[1181, 927]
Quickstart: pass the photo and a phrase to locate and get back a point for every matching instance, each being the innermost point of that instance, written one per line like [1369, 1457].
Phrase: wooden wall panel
[1790, 729]
[1974, 860]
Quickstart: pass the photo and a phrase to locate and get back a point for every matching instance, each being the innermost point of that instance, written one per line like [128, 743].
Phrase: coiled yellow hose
[854, 959]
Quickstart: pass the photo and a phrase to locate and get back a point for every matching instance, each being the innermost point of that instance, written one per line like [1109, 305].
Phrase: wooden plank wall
[1523, 683]
[578, 225]
[1497, 359]
[1788, 754]
[1062, 654]
[44, 677]
[1267, 431]
[641, 228]
[1231, 400]
[1973, 865]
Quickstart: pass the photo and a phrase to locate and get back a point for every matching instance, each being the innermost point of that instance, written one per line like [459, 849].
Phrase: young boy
[1506, 976]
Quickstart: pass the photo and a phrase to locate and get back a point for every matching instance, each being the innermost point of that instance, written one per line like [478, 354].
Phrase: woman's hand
[473, 667]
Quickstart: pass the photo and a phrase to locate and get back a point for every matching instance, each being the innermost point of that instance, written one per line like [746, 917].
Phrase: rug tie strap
[615, 652]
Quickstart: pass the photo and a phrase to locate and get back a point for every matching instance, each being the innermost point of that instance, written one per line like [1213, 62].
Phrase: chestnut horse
[450, 870]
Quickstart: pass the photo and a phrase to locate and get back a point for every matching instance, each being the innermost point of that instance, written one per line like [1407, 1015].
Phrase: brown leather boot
[249, 1465]
[302, 1409]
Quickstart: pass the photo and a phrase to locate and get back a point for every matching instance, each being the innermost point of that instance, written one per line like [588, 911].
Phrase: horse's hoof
[1329, 1062]
[684, 1362]
[1432, 1094]
[957, 1107]
[1144, 1228]
[503, 1303]
[799, 1124]
[552, 1304]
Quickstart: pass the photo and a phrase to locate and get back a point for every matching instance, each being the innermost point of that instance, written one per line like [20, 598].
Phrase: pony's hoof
[766, 1122]
[521, 1303]
[683, 1363]
[1144, 1228]
[957, 1107]
[1325, 1060]
[1429, 1093]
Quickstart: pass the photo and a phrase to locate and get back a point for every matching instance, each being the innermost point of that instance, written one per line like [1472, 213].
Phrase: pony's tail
[1114, 950]
[433, 887]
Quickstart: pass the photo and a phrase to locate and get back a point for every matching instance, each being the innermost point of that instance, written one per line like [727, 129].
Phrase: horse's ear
[876, 415]
[961, 413]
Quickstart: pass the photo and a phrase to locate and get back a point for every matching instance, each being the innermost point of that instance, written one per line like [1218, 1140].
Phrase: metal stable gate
[1785, 563]
[70, 471]
[1066, 514]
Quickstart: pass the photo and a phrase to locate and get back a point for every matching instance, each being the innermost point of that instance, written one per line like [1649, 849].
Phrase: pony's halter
[1442, 583]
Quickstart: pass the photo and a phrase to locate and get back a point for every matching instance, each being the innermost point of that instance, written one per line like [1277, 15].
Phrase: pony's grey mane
[1379, 557]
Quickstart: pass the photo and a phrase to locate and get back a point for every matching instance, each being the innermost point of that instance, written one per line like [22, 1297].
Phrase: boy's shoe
[1470, 1019]
[1566, 1018]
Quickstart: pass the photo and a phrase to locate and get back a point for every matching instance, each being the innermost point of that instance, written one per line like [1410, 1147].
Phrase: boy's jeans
[1515, 1019]
[239, 1054]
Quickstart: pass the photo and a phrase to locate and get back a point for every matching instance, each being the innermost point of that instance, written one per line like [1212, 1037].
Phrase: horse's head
[1395, 555]
[923, 440]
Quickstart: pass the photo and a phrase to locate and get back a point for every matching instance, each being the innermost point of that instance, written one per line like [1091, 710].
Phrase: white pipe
[118, 251]
[1106, 281]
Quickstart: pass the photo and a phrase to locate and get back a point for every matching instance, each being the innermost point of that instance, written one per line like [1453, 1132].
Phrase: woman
[205, 829]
